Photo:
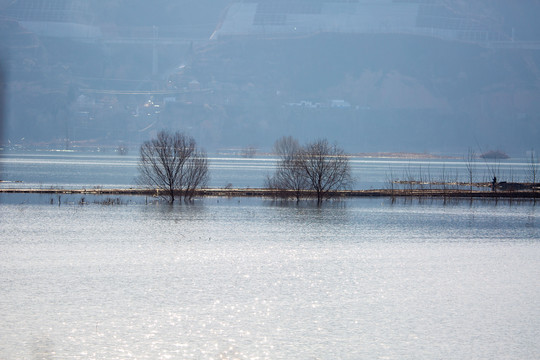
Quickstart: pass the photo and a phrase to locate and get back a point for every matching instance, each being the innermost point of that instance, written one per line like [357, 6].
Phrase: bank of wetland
[403, 189]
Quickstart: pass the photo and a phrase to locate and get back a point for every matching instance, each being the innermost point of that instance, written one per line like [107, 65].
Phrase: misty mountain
[453, 74]
[410, 94]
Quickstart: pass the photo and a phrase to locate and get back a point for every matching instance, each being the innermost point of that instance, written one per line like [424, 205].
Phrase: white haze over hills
[416, 76]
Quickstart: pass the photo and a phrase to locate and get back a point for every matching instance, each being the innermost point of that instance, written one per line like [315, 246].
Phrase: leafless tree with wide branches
[289, 175]
[326, 167]
[172, 164]
[317, 169]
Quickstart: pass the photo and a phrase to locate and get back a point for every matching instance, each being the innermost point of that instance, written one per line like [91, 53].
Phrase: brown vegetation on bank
[530, 193]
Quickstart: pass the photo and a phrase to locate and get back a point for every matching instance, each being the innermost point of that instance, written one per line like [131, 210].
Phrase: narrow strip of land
[271, 193]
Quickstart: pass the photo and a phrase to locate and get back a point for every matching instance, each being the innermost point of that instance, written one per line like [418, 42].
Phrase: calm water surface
[88, 170]
[252, 279]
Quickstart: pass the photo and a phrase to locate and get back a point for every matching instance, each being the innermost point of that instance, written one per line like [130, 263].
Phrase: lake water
[248, 278]
[87, 170]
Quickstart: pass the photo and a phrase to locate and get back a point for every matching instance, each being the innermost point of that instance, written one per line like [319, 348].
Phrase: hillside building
[54, 18]
[296, 18]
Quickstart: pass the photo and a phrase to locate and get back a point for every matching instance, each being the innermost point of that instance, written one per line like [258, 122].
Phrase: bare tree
[171, 163]
[533, 170]
[471, 166]
[286, 147]
[249, 151]
[289, 175]
[317, 168]
[196, 174]
[326, 168]
[390, 180]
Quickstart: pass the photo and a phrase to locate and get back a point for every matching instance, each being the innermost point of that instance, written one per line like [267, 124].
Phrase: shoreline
[269, 193]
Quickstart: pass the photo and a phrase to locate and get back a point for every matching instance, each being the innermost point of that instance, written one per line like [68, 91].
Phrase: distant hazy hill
[517, 16]
[407, 91]
[201, 15]
[195, 18]
[198, 17]
[402, 92]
